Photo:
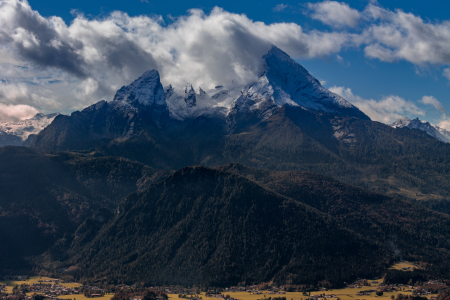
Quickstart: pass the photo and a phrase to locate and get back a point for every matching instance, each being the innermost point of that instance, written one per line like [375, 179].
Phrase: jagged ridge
[433, 130]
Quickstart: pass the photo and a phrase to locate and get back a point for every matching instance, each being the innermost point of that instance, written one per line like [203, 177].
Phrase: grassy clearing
[47, 280]
[404, 264]
[82, 297]
[30, 281]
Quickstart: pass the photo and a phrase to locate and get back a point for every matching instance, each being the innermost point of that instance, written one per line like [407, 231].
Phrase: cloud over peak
[90, 58]
[98, 56]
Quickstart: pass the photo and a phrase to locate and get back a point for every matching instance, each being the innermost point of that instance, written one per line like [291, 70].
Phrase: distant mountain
[435, 131]
[44, 197]
[215, 228]
[21, 133]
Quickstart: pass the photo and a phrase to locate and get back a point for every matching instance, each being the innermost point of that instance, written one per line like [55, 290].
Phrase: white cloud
[389, 35]
[54, 66]
[333, 13]
[399, 35]
[445, 122]
[430, 100]
[16, 112]
[446, 73]
[386, 110]
[280, 7]
[95, 57]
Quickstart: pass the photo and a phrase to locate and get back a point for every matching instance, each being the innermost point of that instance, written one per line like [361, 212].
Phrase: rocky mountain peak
[432, 130]
[146, 90]
[401, 122]
[189, 96]
[291, 82]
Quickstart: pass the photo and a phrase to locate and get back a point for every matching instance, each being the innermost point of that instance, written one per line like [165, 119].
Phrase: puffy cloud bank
[333, 13]
[16, 112]
[65, 67]
[386, 110]
[203, 49]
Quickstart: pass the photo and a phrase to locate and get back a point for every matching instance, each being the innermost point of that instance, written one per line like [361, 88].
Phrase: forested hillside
[44, 196]
[209, 227]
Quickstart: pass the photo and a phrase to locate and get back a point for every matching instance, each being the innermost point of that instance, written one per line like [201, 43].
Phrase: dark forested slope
[45, 196]
[410, 230]
[209, 227]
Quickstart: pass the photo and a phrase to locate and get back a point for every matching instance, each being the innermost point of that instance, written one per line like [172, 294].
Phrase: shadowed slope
[203, 226]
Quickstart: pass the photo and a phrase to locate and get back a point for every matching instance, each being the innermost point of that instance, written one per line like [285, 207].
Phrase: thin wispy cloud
[430, 100]
[280, 7]
[446, 73]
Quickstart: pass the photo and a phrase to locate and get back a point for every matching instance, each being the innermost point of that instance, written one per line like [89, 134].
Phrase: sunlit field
[36, 279]
[343, 294]
[404, 264]
[82, 297]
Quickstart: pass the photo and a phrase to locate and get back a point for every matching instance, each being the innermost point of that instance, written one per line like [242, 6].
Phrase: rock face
[289, 83]
[21, 133]
[146, 90]
[434, 131]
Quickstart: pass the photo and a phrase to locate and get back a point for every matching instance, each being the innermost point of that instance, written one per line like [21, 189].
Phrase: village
[47, 288]
[39, 288]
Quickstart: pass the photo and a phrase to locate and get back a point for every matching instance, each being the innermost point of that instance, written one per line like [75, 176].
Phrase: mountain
[21, 133]
[435, 131]
[284, 121]
[145, 105]
[216, 228]
[45, 196]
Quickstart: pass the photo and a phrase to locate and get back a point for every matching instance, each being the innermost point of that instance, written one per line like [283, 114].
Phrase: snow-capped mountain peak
[401, 122]
[284, 82]
[16, 133]
[189, 96]
[291, 83]
[434, 131]
[146, 90]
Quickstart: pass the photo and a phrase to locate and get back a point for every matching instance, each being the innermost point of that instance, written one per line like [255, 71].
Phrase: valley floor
[354, 291]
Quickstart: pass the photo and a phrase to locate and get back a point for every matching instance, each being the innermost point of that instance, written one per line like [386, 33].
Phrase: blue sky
[379, 81]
